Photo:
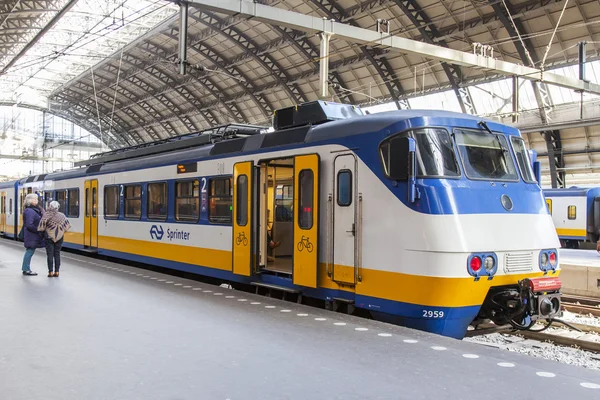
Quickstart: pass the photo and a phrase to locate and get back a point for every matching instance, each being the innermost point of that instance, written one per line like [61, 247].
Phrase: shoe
[273, 245]
[30, 272]
[50, 274]
[56, 274]
[270, 259]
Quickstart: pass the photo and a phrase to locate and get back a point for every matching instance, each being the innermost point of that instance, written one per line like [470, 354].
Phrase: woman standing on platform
[32, 238]
[54, 224]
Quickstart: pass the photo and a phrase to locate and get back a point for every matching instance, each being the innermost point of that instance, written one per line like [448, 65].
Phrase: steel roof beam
[383, 67]
[245, 42]
[429, 31]
[294, 20]
[39, 35]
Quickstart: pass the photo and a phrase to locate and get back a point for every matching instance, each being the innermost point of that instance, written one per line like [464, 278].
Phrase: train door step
[285, 290]
[89, 251]
[339, 302]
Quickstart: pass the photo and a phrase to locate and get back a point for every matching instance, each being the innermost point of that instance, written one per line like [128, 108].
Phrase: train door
[90, 229]
[243, 221]
[23, 192]
[2, 212]
[344, 219]
[306, 220]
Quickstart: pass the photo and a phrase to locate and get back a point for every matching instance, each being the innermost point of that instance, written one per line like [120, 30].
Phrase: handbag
[21, 235]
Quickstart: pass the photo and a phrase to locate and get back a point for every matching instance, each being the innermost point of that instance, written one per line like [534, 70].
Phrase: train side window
[242, 200]
[10, 207]
[549, 205]
[157, 201]
[305, 199]
[73, 208]
[22, 203]
[572, 212]
[344, 188]
[187, 200]
[220, 201]
[133, 201]
[112, 206]
[94, 202]
[61, 197]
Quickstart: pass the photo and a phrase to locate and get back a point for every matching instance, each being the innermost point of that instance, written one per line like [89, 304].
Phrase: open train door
[306, 227]
[243, 189]
[90, 229]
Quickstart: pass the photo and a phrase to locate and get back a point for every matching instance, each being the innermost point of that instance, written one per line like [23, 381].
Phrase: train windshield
[485, 155]
[518, 145]
[435, 153]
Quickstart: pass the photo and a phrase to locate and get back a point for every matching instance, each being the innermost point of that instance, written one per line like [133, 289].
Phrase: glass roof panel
[88, 33]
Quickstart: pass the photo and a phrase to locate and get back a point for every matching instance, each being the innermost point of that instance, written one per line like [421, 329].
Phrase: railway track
[581, 304]
[588, 339]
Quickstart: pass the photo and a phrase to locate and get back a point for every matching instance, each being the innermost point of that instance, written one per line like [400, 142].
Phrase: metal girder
[146, 107]
[383, 67]
[527, 55]
[248, 44]
[311, 53]
[294, 20]
[105, 101]
[88, 113]
[39, 35]
[199, 46]
[64, 114]
[150, 68]
[519, 11]
[429, 33]
[555, 157]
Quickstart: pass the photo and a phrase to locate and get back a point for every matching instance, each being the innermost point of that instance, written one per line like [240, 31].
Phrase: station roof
[111, 65]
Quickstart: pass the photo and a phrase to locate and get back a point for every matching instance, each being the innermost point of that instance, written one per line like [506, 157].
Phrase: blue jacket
[31, 219]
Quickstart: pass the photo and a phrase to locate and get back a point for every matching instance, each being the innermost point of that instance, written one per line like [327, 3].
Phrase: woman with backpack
[54, 224]
[32, 239]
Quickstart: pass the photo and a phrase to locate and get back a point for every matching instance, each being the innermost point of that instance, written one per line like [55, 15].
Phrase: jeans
[53, 254]
[27, 259]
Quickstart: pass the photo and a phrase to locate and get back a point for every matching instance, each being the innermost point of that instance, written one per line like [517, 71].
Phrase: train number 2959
[433, 314]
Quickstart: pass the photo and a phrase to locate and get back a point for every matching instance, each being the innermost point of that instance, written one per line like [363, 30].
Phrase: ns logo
[157, 232]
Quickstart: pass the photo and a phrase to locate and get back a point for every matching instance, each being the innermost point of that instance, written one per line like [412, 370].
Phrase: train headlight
[548, 260]
[482, 264]
[552, 258]
[489, 263]
[476, 264]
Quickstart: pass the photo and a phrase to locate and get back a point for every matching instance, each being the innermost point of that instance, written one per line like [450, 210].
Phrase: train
[429, 219]
[576, 215]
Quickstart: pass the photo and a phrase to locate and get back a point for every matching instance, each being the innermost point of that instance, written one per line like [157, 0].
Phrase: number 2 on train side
[433, 314]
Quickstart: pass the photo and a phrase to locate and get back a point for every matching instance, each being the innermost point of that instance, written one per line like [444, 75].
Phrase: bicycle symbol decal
[241, 239]
[305, 243]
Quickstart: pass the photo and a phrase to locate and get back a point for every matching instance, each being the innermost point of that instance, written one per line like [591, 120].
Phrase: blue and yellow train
[429, 219]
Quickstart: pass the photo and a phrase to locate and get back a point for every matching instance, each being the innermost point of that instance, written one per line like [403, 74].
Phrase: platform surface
[580, 257]
[107, 331]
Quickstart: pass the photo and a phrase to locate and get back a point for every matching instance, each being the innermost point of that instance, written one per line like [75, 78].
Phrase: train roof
[334, 128]
[9, 184]
[572, 192]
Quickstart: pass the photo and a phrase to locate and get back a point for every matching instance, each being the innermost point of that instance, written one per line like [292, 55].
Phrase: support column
[324, 66]
[183, 29]
[515, 99]
[555, 158]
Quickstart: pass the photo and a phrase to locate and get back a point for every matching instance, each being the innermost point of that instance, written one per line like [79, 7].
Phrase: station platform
[579, 257]
[108, 331]
[580, 273]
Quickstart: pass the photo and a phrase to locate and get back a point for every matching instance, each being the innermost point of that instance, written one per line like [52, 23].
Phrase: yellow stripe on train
[415, 289]
[571, 232]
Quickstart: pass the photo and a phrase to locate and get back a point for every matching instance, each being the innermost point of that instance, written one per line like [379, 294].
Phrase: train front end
[478, 240]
